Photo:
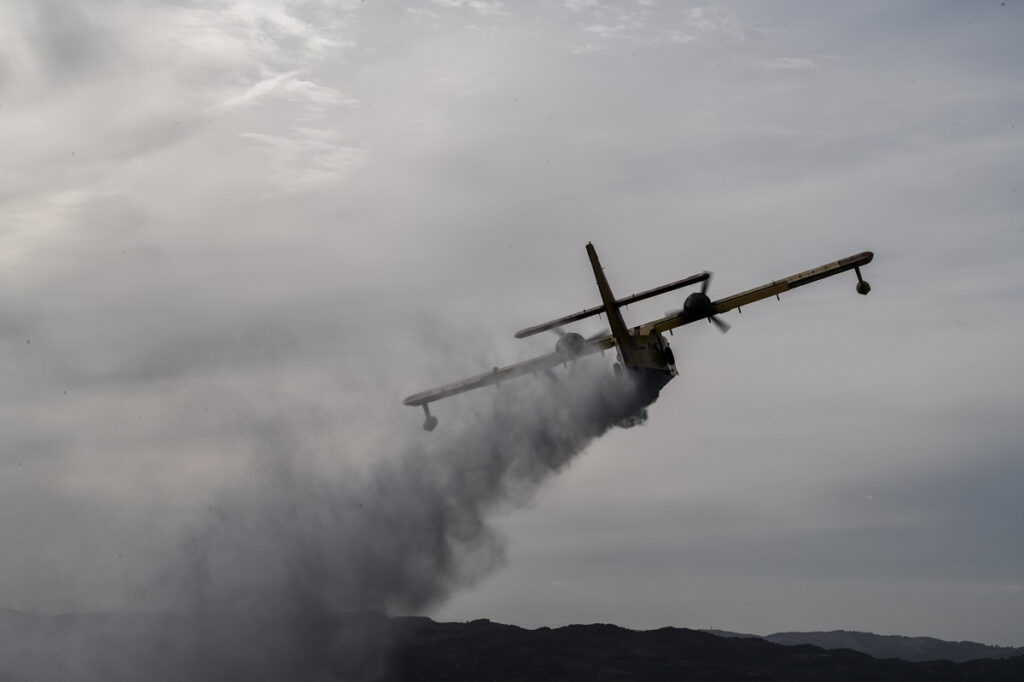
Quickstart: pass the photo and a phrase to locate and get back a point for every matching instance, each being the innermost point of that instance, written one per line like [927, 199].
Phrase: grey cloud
[403, 192]
[69, 40]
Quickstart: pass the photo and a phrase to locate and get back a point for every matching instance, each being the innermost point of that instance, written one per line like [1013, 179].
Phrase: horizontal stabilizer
[590, 312]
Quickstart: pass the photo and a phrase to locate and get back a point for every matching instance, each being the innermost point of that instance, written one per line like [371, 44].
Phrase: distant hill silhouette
[110, 647]
[481, 650]
[888, 646]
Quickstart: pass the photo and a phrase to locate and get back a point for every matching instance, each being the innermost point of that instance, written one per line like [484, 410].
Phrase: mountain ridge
[425, 650]
[907, 648]
[371, 647]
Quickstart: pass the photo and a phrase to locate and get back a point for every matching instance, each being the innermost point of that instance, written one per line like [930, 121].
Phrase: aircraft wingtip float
[643, 349]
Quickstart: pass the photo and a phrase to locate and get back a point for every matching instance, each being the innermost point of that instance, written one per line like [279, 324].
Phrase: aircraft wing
[765, 291]
[607, 341]
[499, 374]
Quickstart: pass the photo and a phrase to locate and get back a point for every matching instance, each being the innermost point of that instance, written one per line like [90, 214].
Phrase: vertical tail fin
[611, 308]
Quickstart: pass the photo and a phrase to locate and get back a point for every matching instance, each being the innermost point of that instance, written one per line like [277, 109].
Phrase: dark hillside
[896, 646]
[888, 646]
[481, 650]
[368, 647]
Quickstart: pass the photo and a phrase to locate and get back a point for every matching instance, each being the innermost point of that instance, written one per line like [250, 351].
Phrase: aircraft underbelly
[633, 392]
[653, 380]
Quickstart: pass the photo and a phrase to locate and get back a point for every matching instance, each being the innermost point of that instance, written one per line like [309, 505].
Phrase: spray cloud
[273, 575]
[276, 583]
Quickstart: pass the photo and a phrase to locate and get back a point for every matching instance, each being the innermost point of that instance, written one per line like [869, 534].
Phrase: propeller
[698, 304]
[722, 325]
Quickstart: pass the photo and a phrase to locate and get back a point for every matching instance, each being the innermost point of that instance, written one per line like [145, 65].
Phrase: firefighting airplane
[641, 350]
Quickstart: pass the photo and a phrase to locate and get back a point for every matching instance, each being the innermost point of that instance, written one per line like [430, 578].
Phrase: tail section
[619, 330]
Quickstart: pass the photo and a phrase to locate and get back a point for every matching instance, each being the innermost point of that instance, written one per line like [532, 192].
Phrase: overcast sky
[220, 215]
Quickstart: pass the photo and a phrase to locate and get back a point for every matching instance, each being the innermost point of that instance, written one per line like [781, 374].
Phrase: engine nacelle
[570, 344]
[697, 303]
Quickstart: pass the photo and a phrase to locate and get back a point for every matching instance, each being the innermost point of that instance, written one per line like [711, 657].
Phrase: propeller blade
[705, 284]
[721, 324]
[599, 335]
[558, 331]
